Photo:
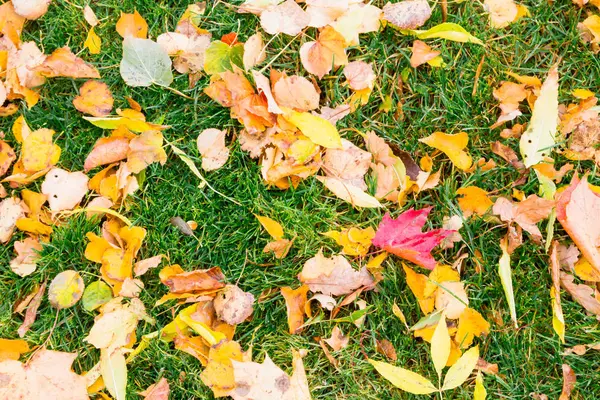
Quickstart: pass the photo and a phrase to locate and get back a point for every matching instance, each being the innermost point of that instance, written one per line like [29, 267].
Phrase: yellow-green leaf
[440, 346]
[540, 136]
[273, 227]
[505, 273]
[317, 129]
[448, 31]
[221, 57]
[114, 372]
[404, 379]
[480, 393]
[65, 289]
[460, 371]
[96, 294]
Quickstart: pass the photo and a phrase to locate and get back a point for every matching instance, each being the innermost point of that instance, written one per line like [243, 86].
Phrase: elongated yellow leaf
[460, 371]
[505, 273]
[211, 336]
[440, 345]
[398, 313]
[352, 194]
[540, 136]
[273, 227]
[480, 393]
[448, 31]
[93, 42]
[131, 124]
[114, 372]
[404, 379]
[317, 129]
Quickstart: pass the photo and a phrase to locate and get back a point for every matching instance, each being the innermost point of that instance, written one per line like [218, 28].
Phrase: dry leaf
[31, 312]
[350, 193]
[359, 75]
[27, 255]
[66, 289]
[569, 380]
[158, 391]
[333, 276]
[64, 189]
[94, 98]
[7, 156]
[295, 302]
[296, 92]
[132, 25]
[329, 49]
[287, 17]
[581, 293]
[254, 51]
[453, 146]
[422, 53]
[31, 9]
[348, 164]
[233, 305]
[11, 209]
[63, 63]
[474, 201]
[12, 349]
[90, 16]
[386, 348]
[452, 298]
[142, 266]
[198, 280]
[338, 340]
[211, 145]
[407, 14]
[526, 213]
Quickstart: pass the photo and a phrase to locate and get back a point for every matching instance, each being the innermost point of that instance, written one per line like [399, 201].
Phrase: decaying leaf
[338, 340]
[64, 189]
[295, 301]
[359, 75]
[422, 53]
[407, 14]
[329, 49]
[569, 380]
[63, 63]
[94, 98]
[27, 255]
[211, 145]
[31, 9]
[233, 305]
[66, 289]
[157, 391]
[350, 193]
[581, 293]
[31, 312]
[526, 213]
[287, 17]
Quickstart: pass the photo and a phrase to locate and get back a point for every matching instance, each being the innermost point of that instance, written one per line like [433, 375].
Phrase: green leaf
[427, 321]
[114, 372]
[460, 371]
[505, 273]
[404, 379]
[220, 57]
[96, 294]
[540, 137]
[440, 345]
[448, 31]
[145, 63]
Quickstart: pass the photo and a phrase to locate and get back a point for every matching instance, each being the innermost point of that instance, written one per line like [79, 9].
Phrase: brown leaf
[333, 115]
[569, 380]
[198, 280]
[333, 276]
[583, 294]
[295, 301]
[31, 312]
[508, 155]
[421, 53]
[382, 152]
[158, 391]
[94, 98]
[233, 305]
[348, 164]
[338, 340]
[386, 348]
[296, 92]
[407, 14]
[63, 63]
[488, 368]
[279, 248]
[142, 266]
[526, 213]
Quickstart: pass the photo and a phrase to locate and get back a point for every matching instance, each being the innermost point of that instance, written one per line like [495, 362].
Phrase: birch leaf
[145, 63]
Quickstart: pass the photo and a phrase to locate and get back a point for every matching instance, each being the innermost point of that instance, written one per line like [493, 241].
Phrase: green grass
[529, 358]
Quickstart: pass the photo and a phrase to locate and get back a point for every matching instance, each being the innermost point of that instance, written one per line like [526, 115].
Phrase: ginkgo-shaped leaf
[453, 146]
[460, 371]
[404, 379]
[65, 289]
[440, 345]
[403, 237]
[540, 137]
[145, 63]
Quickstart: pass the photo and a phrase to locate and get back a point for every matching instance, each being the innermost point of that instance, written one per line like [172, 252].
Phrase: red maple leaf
[403, 237]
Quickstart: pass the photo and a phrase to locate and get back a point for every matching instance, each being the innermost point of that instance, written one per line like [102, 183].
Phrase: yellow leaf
[539, 139]
[134, 125]
[273, 227]
[439, 275]
[211, 336]
[404, 379]
[65, 289]
[416, 282]
[470, 324]
[12, 349]
[460, 371]
[398, 313]
[93, 42]
[505, 273]
[586, 271]
[453, 146]
[558, 320]
[474, 201]
[38, 151]
[480, 393]
[355, 241]
[448, 31]
[132, 25]
[440, 345]
[33, 226]
[375, 262]
[582, 93]
[317, 129]
[218, 374]
[350, 193]
[114, 372]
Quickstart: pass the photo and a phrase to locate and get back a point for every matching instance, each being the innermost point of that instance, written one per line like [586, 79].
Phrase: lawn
[229, 236]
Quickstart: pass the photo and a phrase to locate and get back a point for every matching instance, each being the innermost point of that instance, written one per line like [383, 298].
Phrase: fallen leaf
[64, 189]
[12, 349]
[114, 372]
[453, 146]
[66, 289]
[448, 31]
[7, 156]
[569, 380]
[31, 312]
[63, 63]
[355, 241]
[145, 63]
[295, 302]
[131, 287]
[386, 348]
[319, 56]
[359, 75]
[359, 18]
[233, 305]
[460, 371]
[408, 14]
[47, 375]
[96, 294]
[538, 140]
[479, 393]
[144, 150]
[287, 17]
[581, 293]
[93, 42]
[471, 324]
[508, 155]
[219, 372]
[158, 391]
[502, 12]
[440, 345]
[348, 164]
[273, 227]
[404, 237]
[142, 266]
[27, 255]
[318, 130]
[211, 145]
[11, 210]
[558, 320]
[220, 57]
[296, 92]
[404, 379]
[333, 276]
[421, 53]
[254, 51]
[526, 213]
[198, 280]
[505, 273]
[132, 25]
[94, 98]
[474, 201]
[31, 9]
[350, 193]
[90, 16]
[338, 340]
[452, 298]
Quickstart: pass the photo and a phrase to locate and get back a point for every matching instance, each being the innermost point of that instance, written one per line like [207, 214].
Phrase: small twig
[477, 74]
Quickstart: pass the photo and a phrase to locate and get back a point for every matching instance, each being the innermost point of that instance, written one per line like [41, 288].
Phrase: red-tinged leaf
[577, 210]
[403, 237]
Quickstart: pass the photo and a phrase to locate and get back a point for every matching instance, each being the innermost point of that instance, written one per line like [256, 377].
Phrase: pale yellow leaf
[317, 129]
[114, 372]
[273, 227]
[480, 393]
[404, 379]
[440, 345]
[352, 194]
[460, 371]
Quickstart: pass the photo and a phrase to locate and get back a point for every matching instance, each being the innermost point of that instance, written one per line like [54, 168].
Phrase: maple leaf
[403, 237]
